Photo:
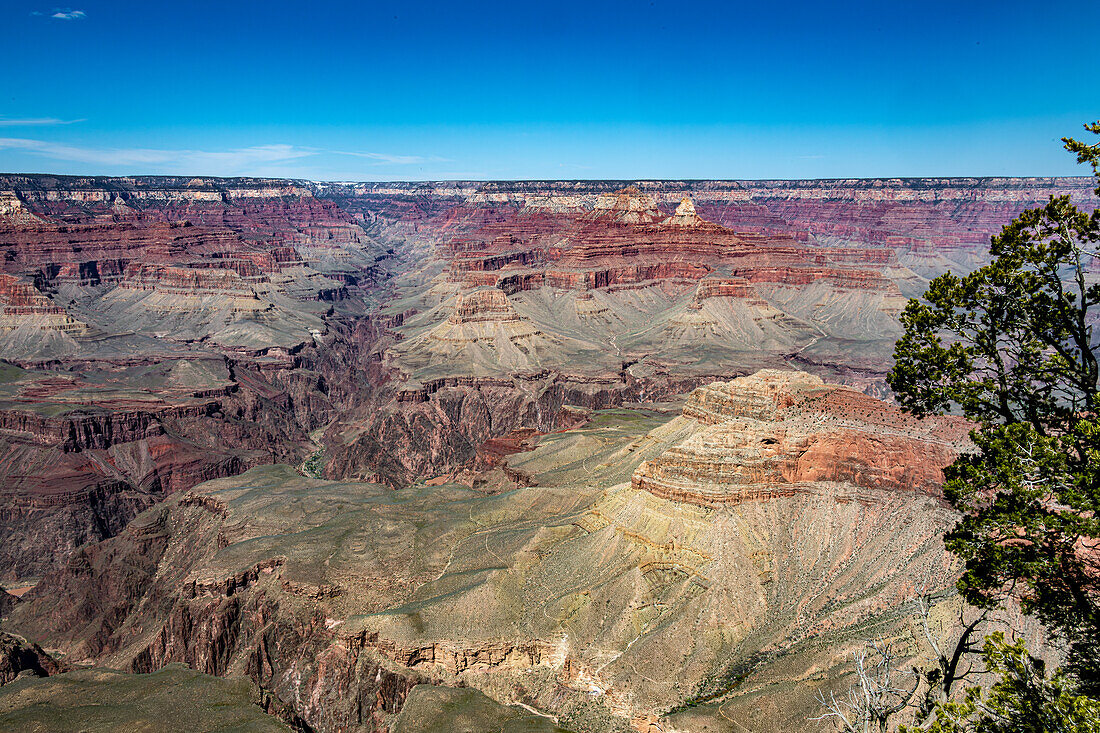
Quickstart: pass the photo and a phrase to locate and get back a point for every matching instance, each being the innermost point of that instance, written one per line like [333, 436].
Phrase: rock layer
[778, 433]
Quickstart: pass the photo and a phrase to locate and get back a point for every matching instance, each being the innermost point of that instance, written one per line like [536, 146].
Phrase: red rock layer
[518, 253]
[185, 280]
[483, 306]
[778, 433]
[23, 306]
[20, 296]
[844, 279]
[726, 287]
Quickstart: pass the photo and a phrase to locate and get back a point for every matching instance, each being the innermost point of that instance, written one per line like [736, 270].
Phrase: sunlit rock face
[685, 215]
[778, 433]
[626, 206]
[24, 308]
[734, 552]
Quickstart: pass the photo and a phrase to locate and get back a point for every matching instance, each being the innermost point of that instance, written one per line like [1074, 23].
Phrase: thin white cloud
[384, 157]
[28, 121]
[258, 160]
[227, 162]
[68, 14]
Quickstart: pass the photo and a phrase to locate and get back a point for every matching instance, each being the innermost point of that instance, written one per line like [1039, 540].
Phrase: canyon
[598, 593]
[580, 455]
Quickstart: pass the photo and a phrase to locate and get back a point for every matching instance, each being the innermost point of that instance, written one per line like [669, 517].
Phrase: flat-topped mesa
[484, 336]
[479, 306]
[726, 287]
[188, 281]
[626, 206]
[759, 396]
[779, 433]
[842, 278]
[22, 306]
[685, 215]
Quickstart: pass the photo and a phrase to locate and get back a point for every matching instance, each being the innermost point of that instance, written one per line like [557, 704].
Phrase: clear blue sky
[432, 90]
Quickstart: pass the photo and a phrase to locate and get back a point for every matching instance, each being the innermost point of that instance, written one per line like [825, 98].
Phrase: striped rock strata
[776, 433]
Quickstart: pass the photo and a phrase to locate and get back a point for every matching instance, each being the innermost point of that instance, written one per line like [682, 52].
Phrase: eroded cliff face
[540, 307]
[84, 452]
[491, 349]
[158, 333]
[388, 331]
[778, 433]
[18, 658]
[592, 595]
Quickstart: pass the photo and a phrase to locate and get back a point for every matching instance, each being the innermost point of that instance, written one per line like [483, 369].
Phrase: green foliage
[1022, 700]
[1012, 346]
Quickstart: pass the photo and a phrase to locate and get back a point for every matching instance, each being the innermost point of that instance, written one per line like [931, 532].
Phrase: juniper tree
[1013, 347]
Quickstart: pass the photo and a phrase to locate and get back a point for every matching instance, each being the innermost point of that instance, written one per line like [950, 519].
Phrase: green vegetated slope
[174, 698]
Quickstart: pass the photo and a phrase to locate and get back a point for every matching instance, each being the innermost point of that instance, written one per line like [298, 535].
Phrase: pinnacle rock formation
[685, 215]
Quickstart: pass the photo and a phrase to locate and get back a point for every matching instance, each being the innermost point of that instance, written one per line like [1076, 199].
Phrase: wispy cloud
[390, 159]
[236, 161]
[191, 161]
[29, 121]
[383, 157]
[68, 14]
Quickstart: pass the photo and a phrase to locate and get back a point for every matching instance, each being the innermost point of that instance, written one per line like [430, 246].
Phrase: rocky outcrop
[481, 306]
[19, 658]
[726, 287]
[242, 622]
[101, 429]
[779, 433]
[685, 215]
[7, 602]
[13, 212]
[53, 504]
[193, 282]
[439, 425]
[840, 278]
[23, 308]
[626, 206]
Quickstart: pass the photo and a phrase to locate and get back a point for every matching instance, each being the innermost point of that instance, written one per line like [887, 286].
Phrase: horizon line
[639, 180]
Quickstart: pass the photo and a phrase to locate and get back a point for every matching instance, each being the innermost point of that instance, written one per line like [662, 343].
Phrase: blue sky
[430, 90]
